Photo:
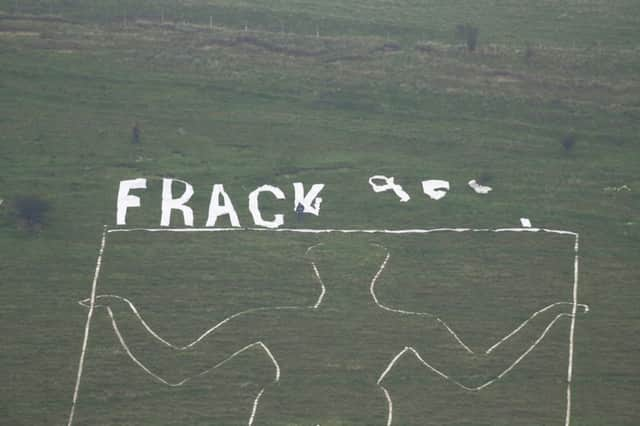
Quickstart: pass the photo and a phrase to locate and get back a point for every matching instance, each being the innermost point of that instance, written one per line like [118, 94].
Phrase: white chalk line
[159, 378]
[150, 330]
[572, 329]
[91, 304]
[345, 231]
[574, 304]
[87, 325]
[372, 290]
[389, 405]
[456, 382]
[400, 311]
[182, 382]
[535, 314]
[323, 288]
[444, 324]
[201, 336]
[255, 406]
[131, 355]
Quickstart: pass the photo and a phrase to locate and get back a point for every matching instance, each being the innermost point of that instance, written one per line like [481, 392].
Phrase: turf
[330, 92]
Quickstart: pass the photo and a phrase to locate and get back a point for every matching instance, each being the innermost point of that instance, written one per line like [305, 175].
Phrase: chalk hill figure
[319, 348]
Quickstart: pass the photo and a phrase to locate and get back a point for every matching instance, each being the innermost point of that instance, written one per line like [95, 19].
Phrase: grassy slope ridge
[385, 89]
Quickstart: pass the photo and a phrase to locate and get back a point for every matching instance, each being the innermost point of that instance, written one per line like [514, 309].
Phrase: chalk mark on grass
[90, 303]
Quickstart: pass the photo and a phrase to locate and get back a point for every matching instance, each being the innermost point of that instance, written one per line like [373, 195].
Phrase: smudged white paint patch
[617, 188]
[91, 304]
[310, 201]
[436, 189]
[525, 222]
[479, 189]
[388, 183]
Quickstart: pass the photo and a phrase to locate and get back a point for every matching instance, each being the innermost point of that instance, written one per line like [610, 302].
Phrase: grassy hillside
[330, 92]
[567, 23]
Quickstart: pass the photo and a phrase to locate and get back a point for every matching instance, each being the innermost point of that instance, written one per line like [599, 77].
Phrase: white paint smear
[310, 201]
[436, 189]
[617, 188]
[388, 183]
[525, 222]
[479, 189]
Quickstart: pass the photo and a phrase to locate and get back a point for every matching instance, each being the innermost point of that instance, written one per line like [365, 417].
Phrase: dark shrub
[135, 134]
[31, 211]
[568, 142]
[469, 33]
[472, 38]
[528, 53]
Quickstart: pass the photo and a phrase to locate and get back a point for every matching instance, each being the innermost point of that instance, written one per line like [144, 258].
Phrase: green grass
[243, 108]
[330, 357]
[569, 23]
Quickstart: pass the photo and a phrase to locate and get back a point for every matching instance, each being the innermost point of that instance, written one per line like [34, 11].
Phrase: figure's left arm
[445, 354]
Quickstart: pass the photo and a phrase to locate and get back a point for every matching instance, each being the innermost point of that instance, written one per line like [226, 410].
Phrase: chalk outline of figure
[91, 304]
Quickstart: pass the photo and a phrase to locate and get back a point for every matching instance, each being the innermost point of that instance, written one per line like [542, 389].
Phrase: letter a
[226, 208]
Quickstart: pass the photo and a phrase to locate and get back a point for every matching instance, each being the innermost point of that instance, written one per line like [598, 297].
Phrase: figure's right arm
[174, 363]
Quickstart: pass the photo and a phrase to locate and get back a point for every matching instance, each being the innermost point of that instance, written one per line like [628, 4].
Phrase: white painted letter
[169, 203]
[311, 201]
[125, 200]
[388, 183]
[255, 210]
[435, 188]
[478, 188]
[216, 209]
